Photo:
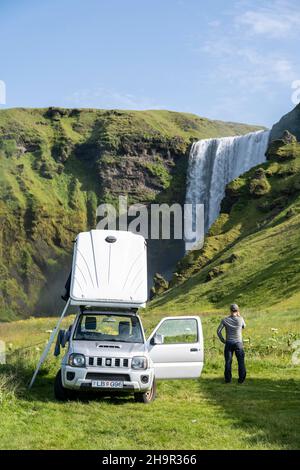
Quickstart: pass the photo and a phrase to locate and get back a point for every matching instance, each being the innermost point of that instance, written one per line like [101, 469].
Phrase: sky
[228, 60]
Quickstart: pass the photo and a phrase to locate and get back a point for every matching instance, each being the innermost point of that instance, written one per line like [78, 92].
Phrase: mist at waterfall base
[213, 163]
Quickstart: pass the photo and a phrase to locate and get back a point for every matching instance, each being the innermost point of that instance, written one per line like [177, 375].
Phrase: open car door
[176, 348]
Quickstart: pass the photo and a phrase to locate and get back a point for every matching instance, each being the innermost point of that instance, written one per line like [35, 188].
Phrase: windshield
[105, 327]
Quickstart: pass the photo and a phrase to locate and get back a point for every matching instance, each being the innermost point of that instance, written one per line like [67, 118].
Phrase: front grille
[107, 362]
[101, 376]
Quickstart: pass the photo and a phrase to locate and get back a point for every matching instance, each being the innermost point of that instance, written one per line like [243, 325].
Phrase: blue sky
[233, 60]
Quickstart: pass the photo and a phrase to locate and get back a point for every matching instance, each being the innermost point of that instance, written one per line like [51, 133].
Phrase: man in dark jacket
[233, 325]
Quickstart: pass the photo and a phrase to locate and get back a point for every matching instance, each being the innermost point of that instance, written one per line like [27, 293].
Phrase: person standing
[233, 325]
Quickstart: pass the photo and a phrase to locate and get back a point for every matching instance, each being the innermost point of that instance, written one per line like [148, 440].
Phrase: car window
[108, 328]
[182, 330]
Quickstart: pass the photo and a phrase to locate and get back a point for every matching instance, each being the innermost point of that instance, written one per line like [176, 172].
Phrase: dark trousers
[238, 349]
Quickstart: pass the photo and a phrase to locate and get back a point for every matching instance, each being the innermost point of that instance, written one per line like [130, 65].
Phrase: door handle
[194, 350]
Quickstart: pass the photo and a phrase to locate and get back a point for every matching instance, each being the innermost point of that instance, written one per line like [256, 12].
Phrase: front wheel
[146, 397]
[60, 392]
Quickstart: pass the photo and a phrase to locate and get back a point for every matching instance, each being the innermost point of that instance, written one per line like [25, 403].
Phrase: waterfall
[213, 163]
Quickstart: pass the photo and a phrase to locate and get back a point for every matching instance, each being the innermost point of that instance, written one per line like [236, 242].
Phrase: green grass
[263, 413]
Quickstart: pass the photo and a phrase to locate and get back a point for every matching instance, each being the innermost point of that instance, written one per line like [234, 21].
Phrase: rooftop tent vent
[110, 239]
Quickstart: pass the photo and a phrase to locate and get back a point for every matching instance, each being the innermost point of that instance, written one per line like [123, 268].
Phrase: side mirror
[157, 339]
[61, 341]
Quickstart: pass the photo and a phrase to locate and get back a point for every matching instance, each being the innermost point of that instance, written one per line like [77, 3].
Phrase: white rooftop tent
[109, 269]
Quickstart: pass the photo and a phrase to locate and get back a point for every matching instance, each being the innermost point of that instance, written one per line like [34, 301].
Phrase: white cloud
[250, 62]
[279, 20]
[247, 68]
[107, 98]
[251, 56]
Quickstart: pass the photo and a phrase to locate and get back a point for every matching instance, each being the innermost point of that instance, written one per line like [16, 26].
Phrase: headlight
[76, 360]
[139, 362]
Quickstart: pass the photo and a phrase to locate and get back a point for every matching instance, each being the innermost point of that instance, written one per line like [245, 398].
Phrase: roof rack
[112, 310]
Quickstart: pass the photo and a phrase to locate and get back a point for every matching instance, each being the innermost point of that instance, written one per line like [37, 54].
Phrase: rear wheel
[146, 397]
[60, 392]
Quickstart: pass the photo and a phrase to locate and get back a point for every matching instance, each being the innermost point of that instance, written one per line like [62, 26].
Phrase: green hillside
[57, 165]
[252, 254]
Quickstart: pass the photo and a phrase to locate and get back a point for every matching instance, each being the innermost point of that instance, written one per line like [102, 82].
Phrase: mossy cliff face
[252, 252]
[57, 165]
[289, 122]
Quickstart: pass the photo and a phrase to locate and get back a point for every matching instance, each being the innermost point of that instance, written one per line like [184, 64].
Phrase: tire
[61, 393]
[147, 397]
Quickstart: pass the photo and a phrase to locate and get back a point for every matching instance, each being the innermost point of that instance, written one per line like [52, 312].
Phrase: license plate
[107, 384]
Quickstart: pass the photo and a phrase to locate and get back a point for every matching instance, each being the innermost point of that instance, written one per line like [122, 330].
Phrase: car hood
[107, 349]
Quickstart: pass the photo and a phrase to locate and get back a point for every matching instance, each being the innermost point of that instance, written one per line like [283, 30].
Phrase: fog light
[145, 379]
[70, 375]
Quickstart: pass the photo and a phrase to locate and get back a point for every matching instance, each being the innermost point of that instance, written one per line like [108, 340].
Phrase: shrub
[215, 272]
[264, 206]
[160, 285]
[288, 170]
[8, 386]
[279, 203]
[283, 152]
[291, 213]
[233, 192]
[259, 174]
[56, 113]
[259, 187]
[8, 148]
[272, 170]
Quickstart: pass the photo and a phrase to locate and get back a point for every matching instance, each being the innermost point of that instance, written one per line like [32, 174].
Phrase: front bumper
[77, 378]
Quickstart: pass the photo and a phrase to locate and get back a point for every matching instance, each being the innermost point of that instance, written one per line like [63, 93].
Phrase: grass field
[263, 413]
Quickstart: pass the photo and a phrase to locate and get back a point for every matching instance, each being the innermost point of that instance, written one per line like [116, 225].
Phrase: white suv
[108, 353]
